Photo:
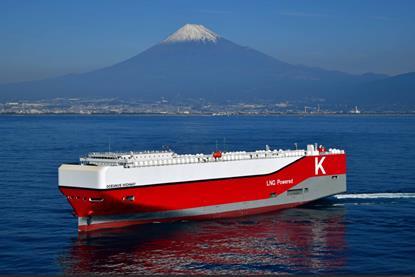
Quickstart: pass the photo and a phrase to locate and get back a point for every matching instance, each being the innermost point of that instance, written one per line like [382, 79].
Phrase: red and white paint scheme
[111, 189]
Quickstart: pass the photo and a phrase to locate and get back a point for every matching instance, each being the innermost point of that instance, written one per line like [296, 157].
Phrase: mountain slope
[395, 89]
[195, 62]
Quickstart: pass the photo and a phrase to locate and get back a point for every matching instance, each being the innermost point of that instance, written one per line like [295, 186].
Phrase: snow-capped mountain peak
[192, 32]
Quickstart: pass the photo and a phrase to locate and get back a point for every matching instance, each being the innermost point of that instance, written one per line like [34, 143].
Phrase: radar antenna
[166, 147]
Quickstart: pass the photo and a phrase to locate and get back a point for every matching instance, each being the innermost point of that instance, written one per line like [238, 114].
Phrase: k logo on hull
[319, 166]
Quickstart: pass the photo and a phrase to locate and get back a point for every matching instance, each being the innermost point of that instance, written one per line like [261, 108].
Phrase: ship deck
[163, 158]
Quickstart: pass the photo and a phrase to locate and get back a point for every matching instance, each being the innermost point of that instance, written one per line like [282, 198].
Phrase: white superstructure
[112, 170]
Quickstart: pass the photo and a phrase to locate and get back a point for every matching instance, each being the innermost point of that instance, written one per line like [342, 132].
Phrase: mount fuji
[192, 63]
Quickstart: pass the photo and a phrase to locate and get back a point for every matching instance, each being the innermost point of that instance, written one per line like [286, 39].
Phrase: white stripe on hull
[317, 187]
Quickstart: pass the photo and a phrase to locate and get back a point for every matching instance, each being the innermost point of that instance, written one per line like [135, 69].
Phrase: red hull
[239, 213]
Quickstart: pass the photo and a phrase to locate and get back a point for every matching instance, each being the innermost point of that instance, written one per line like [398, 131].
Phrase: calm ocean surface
[371, 229]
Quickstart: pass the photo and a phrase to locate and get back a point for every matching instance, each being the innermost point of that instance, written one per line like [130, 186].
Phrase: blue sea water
[368, 230]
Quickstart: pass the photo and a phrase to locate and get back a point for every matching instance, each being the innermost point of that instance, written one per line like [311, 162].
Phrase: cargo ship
[114, 189]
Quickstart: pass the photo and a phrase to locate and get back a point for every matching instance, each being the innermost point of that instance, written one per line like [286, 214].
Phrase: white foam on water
[376, 195]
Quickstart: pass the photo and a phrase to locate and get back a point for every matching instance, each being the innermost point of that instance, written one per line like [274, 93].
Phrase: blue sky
[43, 38]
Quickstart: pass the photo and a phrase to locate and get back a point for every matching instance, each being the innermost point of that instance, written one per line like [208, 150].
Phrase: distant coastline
[194, 107]
[211, 115]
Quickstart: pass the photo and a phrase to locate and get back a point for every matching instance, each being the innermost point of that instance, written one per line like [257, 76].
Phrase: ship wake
[365, 198]
[383, 195]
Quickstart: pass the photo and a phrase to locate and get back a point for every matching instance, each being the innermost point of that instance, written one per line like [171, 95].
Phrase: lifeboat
[217, 154]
